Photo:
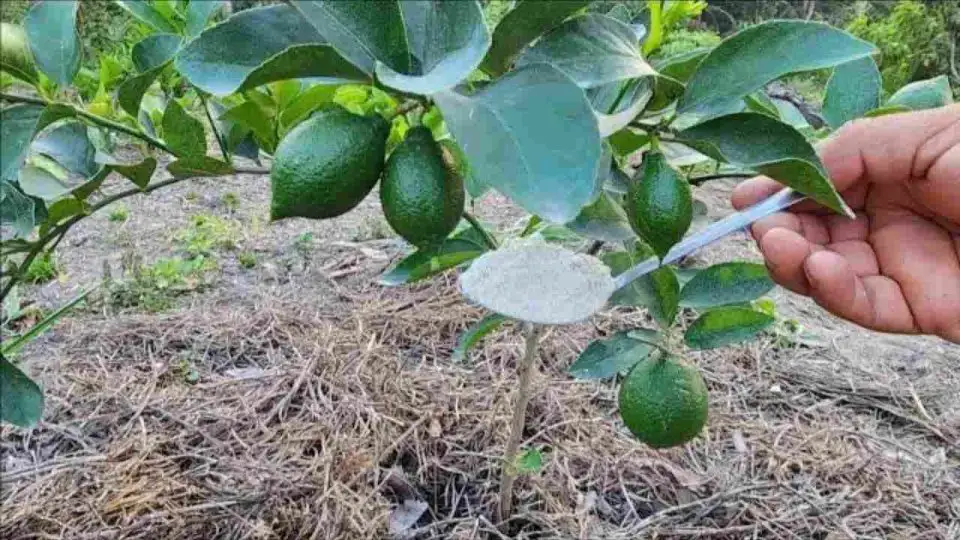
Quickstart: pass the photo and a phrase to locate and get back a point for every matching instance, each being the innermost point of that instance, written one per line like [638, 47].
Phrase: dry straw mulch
[317, 422]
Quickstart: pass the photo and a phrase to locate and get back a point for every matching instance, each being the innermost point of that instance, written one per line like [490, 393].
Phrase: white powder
[531, 280]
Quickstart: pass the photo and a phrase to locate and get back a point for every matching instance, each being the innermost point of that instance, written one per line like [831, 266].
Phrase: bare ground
[324, 401]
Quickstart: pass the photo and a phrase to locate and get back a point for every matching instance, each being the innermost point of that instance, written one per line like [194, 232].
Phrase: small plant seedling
[43, 269]
[208, 233]
[247, 259]
[118, 214]
[230, 201]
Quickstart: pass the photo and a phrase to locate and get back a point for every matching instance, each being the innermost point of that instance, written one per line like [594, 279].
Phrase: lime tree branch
[96, 119]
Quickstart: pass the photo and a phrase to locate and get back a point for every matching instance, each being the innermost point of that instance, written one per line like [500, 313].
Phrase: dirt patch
[298, 399]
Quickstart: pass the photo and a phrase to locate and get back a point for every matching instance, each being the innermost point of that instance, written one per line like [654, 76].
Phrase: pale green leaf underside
[854, 89]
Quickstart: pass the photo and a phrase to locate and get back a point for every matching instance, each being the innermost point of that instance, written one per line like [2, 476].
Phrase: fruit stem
[509, 471]
[487, 239]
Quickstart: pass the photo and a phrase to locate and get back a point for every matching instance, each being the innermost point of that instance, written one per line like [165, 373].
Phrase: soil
[301, 399]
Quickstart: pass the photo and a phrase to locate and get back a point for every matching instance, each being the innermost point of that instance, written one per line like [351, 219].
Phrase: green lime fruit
[422, 195]
[326, 165]
[659, 204]
[663, 402]
[15, 57]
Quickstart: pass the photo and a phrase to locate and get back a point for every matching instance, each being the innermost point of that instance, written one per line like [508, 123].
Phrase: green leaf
[529, 462]
[516, 136]
[853, 89]
[63, 209]
[198, 13]
[192, 166]
[476, 332]
[885, 110]
[145, 12]
[751, 58]
[154, 51]
[658, 291]
[790, 114]
[462, 247]
[617, 104]
[304, 104]
[11, 346]
[926, 94]
[51, 27]
[725, 326]
[603, 220]
[760, 102]
[183, 133]
[258, 46]
[760, 143]
[363, 34]
[448, 38]
[618, 183]
[138, 173]
[603, 359]
[17, 127]
[681, 67]
[69, 145]
[591, 49]
[251, 116]
[725, 284]
[16, 209]
[130, 93]
[41, 183]
[526, 22]
[666, 91]
[659, 204]
[21, 400]
[626, 141]
[15, 57]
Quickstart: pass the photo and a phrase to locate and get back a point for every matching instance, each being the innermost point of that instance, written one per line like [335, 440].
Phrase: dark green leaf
[16, 209]
[183, 133]
[659, 204]
[21, 400]
[51, 27]
[198, 13]
[626, 141]
[617, 104]
[666, 90]
[760, 102]
[591, 49]
[603, 220]
[753, 57]
[605, 358]
[760, 143]
[63, 209]
[363, 34]
[11, 346]
[138, 173]
[154, 51]
[529, 462]
[423, 263]
[258, 46]
[927, 94]
[725, 284]
[725, 326]
[471, 336]
[251, 116]
[304, 104]
[853, 89]
[515, 134]
[448, 38]
[191, 166]
[658, 291]
[681, 66]
[17, 126]
[618, 183]
[526, 22]
[148, 14]
[69, 145]
[130, 93]
[15, 56]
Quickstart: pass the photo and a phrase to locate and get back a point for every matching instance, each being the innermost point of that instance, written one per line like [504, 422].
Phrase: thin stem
[595, 247]
[96, 119]
[697, 180]
[508, 472]
[221, 142]
[404, 108]
[487, 239]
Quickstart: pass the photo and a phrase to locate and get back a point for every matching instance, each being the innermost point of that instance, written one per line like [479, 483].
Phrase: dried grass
[316, 422]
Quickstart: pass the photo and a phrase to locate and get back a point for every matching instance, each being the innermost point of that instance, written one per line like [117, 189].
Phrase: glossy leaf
[658, 291]
[21, 400]
[154, 51]
[591, 49]
[760, 143]
[606, 358]
[853, 89]
[626, 141]
[182, 132]
[926, 94]
[462, 247]
[448, 38]
[17, 126]
[258, 46]
[198, 13]
[192, 166]
[603, 220]
[146, 13]
[515, 134]
[726, 326]
[725, 284]
[751, 58]
[362, 33]
[253, 117]
[479, 330]
[51, 27]
[69, 145]
[527, 21]
[659, 204]
[682, 66]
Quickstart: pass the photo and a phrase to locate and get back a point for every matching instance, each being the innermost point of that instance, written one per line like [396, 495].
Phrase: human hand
[896, 268]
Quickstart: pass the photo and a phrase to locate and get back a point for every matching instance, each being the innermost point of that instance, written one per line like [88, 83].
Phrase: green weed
[230, 201]
[247, 259]
[208, 233]
[155, 287]
[43, 269]
[118, 213]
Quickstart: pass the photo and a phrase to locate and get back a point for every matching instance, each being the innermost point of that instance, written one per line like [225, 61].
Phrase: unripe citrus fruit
[422, 196]
[663, 401]
[326, 165]
[659, 204]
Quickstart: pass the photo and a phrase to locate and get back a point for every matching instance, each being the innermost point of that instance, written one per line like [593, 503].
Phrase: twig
[595, 247]
[404, 108]
[526, 369]
[487, 239]
[697, 180]
[221, 142]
